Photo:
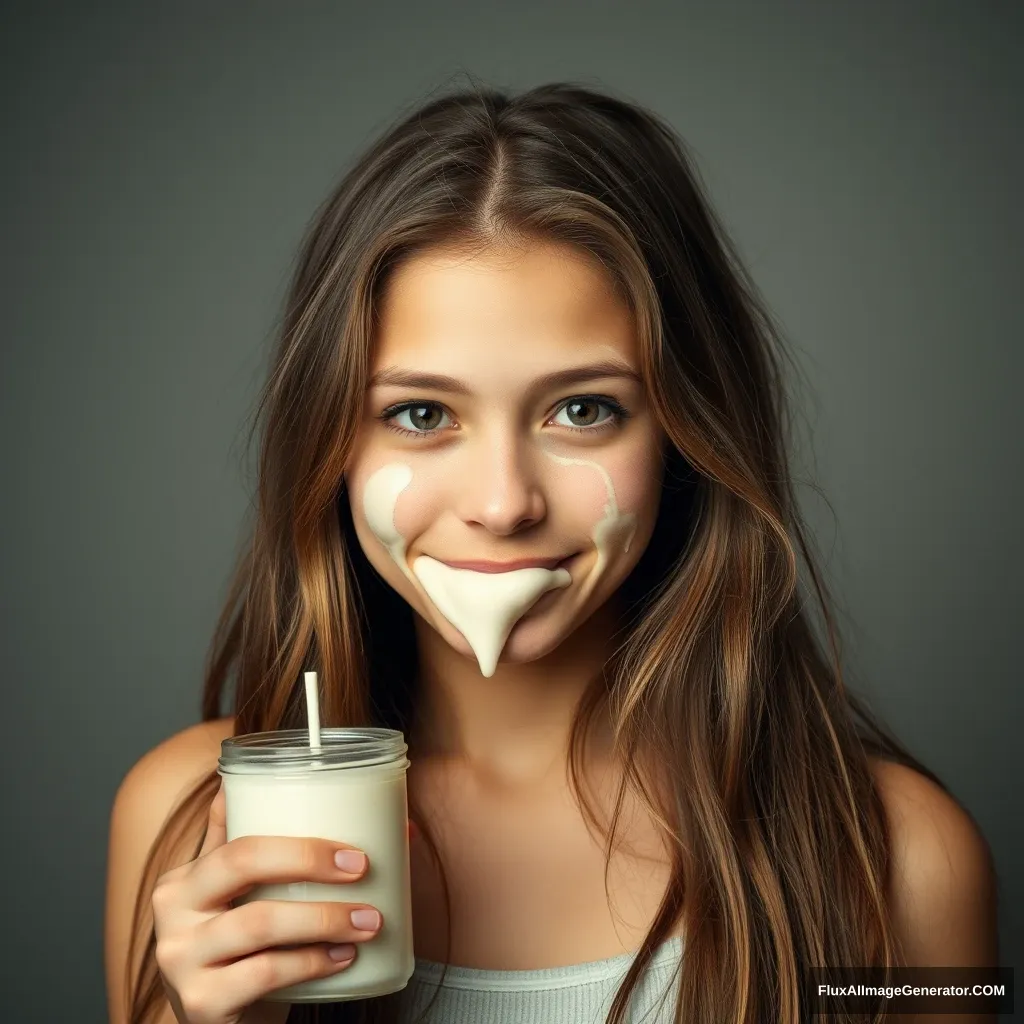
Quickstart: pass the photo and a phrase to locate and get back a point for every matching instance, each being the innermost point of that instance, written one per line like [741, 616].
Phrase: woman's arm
[144, 799]
[943, 883]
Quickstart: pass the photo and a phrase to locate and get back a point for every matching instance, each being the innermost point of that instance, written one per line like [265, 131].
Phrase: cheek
[583, 489]
[579, 495]
[420, 504]
[414, 508]
[635, 478]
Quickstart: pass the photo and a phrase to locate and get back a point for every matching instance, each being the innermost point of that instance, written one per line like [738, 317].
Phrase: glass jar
[353, 791]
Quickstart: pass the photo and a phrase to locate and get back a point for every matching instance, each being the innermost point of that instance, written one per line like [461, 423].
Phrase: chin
[532, 638]
[528, 641]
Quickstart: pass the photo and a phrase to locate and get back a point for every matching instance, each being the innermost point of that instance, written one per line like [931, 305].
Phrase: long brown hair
[730, 709]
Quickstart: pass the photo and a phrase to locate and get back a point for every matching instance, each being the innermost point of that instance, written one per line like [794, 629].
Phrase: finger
[235, 867]
[254, 977]
[216, 826]
[413, 830]
[263, 924]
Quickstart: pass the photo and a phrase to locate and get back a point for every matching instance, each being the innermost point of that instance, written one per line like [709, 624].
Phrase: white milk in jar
[352, 790]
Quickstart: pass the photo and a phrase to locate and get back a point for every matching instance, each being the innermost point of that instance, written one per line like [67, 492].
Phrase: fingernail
[345, 952]
[350, 860]
[366, 920]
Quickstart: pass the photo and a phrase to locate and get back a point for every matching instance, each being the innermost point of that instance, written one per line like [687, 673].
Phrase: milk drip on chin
[484, 606]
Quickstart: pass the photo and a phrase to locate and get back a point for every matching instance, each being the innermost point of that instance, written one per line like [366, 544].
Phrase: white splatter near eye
[613, 529]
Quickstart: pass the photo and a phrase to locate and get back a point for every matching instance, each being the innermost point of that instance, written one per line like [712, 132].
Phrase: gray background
[161, 162]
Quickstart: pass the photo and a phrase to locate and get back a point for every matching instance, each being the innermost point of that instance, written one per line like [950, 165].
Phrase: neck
[512, 728]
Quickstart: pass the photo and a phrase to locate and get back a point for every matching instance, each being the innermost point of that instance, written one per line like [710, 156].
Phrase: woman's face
[505, 400]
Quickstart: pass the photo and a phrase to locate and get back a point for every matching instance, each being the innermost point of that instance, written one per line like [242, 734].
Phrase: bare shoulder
[158, 780]
[144, 799]
[943, 881]
[154, 785]
[163, 774]
[932, 833]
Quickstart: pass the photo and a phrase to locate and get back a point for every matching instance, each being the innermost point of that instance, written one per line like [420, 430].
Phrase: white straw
[312, 711]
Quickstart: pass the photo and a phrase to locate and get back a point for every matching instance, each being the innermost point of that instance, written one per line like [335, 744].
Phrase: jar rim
[340, 746]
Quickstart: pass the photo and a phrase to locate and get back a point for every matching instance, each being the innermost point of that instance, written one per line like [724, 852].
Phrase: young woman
[522, 315]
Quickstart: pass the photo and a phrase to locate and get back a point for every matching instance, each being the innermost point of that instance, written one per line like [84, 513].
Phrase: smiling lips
[521, 563]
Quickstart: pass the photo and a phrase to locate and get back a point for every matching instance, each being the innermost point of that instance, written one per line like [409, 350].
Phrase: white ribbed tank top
[574, 994]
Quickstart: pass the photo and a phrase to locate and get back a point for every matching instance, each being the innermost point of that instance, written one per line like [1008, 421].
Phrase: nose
[501, 490]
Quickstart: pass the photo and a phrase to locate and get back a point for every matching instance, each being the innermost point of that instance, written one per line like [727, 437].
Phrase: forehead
[540, 305]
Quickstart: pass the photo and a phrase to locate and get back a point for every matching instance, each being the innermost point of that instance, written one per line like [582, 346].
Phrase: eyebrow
[396, 376]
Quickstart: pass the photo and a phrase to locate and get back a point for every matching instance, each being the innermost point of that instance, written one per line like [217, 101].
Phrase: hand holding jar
[306, 856]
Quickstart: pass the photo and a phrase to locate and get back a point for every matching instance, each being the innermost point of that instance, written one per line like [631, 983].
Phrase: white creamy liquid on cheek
[379, 499]
[611, 530]
[482, 606]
